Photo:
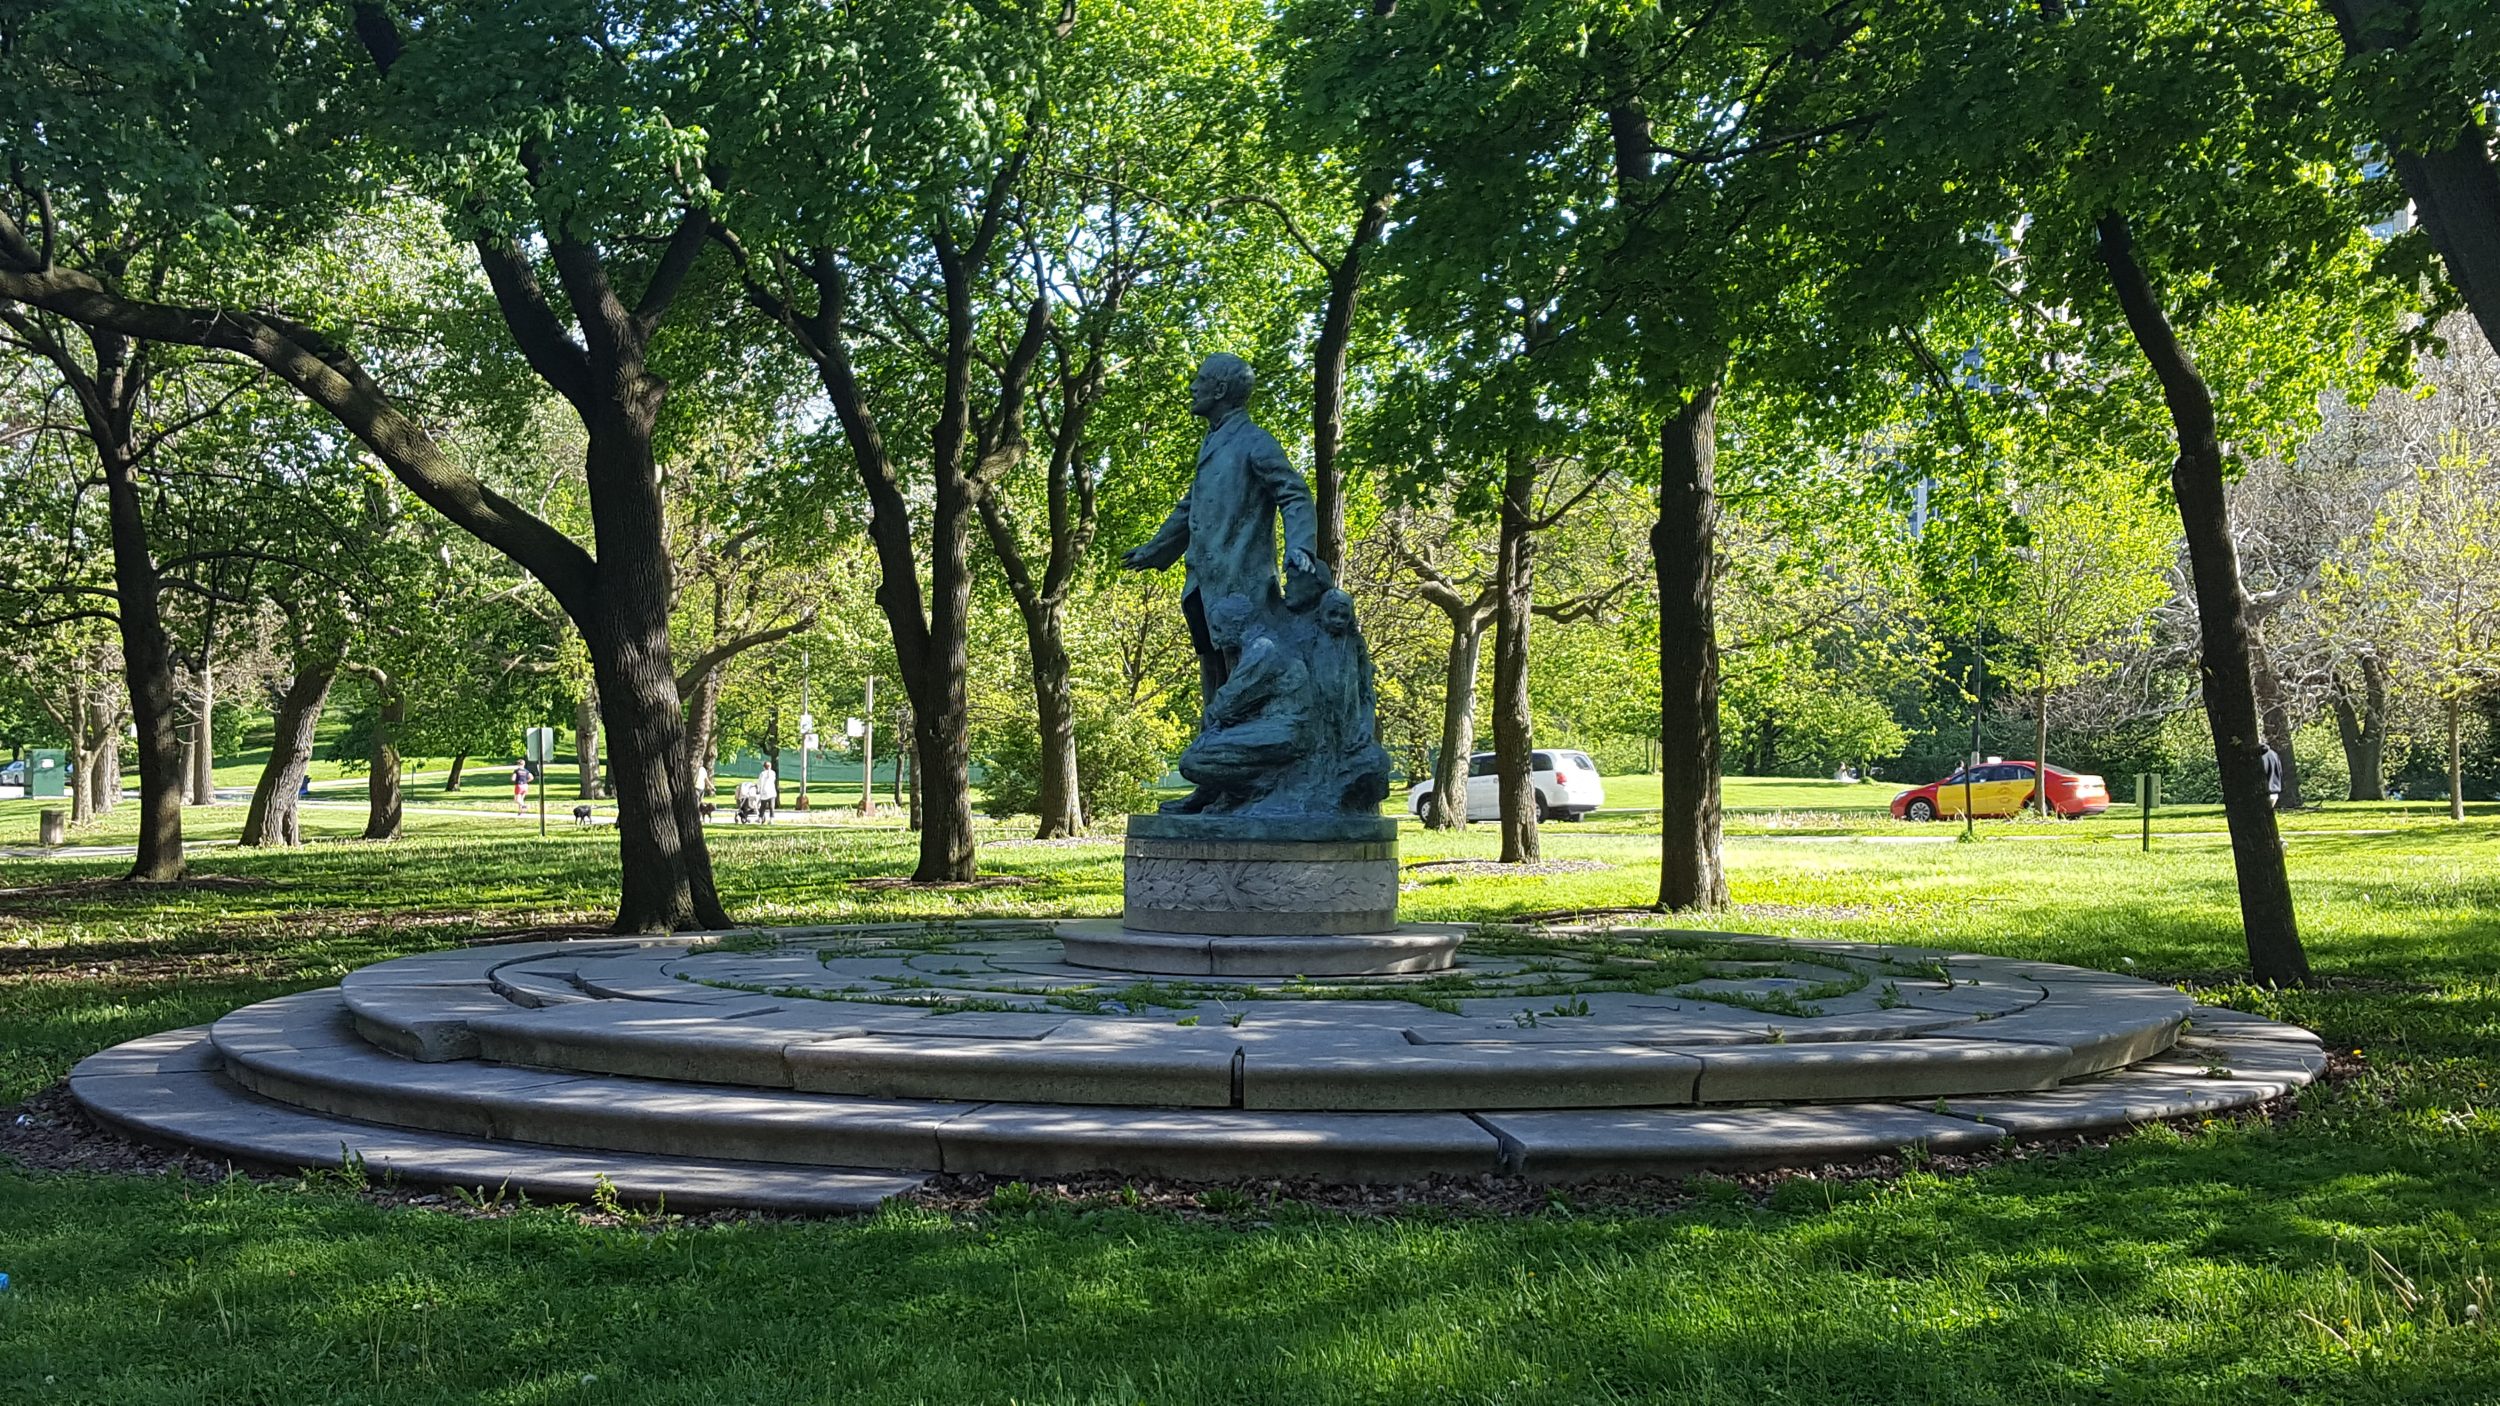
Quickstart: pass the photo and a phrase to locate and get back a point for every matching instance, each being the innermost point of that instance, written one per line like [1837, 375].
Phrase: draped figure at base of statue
[1289, 721]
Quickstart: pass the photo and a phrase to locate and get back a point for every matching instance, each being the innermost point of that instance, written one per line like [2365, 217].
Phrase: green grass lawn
[2332, 1259]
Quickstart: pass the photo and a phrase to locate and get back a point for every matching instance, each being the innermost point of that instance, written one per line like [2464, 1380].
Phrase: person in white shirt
[769, 781]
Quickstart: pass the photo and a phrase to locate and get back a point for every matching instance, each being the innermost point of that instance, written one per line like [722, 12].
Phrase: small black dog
[581, 815]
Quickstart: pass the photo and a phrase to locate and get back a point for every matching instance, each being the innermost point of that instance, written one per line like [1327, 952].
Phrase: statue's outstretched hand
[1300, 560]
[1135, 559]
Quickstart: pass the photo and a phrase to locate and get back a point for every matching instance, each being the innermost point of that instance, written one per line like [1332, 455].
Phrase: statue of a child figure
[1290, 731]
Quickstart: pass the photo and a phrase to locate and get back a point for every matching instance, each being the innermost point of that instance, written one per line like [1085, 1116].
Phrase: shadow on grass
[2158, 1270]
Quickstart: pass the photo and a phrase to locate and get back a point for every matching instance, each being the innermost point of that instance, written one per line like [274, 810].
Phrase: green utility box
[47, 772]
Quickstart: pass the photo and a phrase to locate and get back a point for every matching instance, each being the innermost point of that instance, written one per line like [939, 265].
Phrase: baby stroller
[750, 803]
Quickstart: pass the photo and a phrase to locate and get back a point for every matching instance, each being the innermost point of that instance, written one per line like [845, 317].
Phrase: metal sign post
[2147, 796]
[538, 746]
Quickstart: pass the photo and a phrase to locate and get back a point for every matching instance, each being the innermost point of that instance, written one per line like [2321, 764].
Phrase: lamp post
[807, 728]
[868, 749]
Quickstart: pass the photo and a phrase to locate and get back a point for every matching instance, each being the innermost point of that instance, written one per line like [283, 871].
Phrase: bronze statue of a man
[1225, 526]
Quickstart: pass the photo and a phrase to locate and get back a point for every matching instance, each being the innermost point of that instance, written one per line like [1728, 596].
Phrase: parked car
[1998, 787]
[1567, 787]
[14, 773]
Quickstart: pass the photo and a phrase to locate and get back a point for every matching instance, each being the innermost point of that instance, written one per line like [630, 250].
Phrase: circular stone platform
[822, 1068]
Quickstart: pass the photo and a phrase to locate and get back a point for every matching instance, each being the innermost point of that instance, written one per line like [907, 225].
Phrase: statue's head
[1229, 621]
[1336, 613]
[1221, 385]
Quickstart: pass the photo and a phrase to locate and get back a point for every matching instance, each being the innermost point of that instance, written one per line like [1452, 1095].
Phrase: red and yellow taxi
[1998, 787]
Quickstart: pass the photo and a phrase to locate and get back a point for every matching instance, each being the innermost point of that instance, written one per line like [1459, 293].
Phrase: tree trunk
[941, 774]
[1062, 803]
[2455, 185]
[2363, 729]
[930, 654]
[2456, 758]
[900, 727]
[81, 771]
[382, 797]
[273, 818]
[929, 648]
[2274, 717]
[204, 737]
[148, 666]
[1513, 600]
[2226, 663]
[1328, 364]
[909, 761]
[703, 729]
[104, 753]
[1445, 807]
[459, 764]
[586, 744]
[667, 867]
[1684, 550]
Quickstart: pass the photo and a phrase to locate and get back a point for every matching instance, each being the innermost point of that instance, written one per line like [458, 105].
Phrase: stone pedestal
[1260, 876]
[1232, 895]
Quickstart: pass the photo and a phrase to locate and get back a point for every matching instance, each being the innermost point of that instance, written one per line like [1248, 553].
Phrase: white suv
[1566, 787]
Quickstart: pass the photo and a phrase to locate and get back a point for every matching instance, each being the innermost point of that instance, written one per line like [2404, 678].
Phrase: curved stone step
[301, 1051]
[615, 1009]
[305, 1091]
[167, 1089]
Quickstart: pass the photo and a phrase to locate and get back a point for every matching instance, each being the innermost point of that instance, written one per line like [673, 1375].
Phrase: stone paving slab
[1191, 1073]
[198, 1109]
[535, 987]
[1012, 1140]
[628, 1038]
[2106, 1029]
[1994, 998]
[173, 1052]
[969, 1025]
[2224, 1022]
[1875, 1069]
[2115, 1101]
[425, 1023]
[2285, 1060]
[760, 1125]
[1647, 1141]
[1340, 1072]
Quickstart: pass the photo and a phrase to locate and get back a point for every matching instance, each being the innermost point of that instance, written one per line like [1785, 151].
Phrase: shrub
[1120, 753]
